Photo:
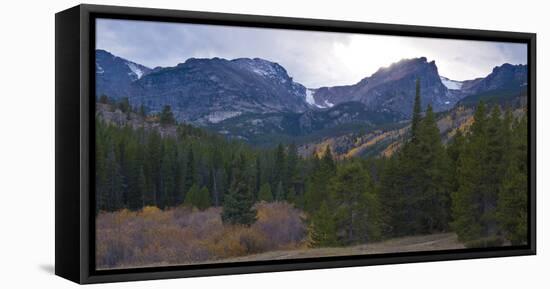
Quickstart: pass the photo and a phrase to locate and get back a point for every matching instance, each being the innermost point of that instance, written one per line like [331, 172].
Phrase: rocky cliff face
[392, 88]
[504, 76]
[206, 91]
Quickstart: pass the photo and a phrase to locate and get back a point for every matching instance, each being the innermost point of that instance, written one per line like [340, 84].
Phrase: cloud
[313, 58]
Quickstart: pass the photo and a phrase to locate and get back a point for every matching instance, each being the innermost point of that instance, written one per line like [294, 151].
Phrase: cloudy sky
[313, 58]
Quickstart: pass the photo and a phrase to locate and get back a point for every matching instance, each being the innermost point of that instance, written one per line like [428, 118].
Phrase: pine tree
[432, 195]
[512, 206]
[327, 162]
[317, 185]
[191, 177]
[265, 193]
[166, 116]
[203, 199]
[113, 182]
[280, 166]
[258, 177]
[356, 205]
[238, 204]
[192, 196]
[152, 169]
[322, 228]
[467, 201]
[292, 167]
[280, 192]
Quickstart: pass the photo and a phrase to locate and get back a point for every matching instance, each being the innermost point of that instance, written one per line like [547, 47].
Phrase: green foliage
[198, 198]
[512, 205]
[238, 204]
[415, 185]
[124, 105]
[355, 205]
[279, 192]
[490, 199]
[317, 189]
[166, 116]
[265, 193]
[322, 228]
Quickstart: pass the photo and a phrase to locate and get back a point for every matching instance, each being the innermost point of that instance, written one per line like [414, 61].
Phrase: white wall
[27, 143]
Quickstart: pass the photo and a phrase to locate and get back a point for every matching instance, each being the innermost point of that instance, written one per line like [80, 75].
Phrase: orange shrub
[182, 235]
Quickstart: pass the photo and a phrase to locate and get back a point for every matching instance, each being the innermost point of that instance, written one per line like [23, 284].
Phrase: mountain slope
[272, 128]
[114, 74]
[393, 88]
[206, 91]
[505, 85]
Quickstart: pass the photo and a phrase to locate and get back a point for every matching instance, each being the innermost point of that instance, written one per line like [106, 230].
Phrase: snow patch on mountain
[329, 104]
[309, 97]
[219, 116]
[451, 84]
[99, 69]
[311, 100]
[135, 69]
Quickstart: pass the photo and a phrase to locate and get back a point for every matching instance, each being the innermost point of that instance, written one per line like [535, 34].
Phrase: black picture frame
[74, 149]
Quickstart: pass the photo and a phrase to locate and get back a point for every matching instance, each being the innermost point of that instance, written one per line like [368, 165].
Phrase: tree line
[475, 186]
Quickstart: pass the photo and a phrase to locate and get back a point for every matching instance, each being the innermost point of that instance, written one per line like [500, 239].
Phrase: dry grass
[443, 241]
[152, 237]
[180, 236]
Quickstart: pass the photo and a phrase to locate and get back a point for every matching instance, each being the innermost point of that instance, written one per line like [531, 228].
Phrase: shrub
[185, 235]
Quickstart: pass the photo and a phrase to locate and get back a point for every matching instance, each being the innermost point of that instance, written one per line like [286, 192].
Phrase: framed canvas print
[193, 144]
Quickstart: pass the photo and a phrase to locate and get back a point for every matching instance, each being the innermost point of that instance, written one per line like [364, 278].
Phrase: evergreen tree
[356, 205]
[280, 166]
[191, 177]
[512, 206]
[265, 193]
[327, 163]
[280, 192]
[238, 204]
[124, 105]
[134, 175]
[317, 186]
[292, 177]
[152, 168]
[166, 116]
[167, 176]
[432, 195]
[322, 228]
[113, 182]
[203, 200]
[467, 201]
[192, 196]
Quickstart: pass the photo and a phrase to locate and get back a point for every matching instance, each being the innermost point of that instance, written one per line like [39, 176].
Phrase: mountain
[392, 88]
[256, 100]
[505, 85]
[207, 91]
[114, 75]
